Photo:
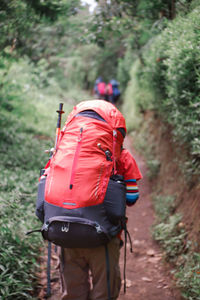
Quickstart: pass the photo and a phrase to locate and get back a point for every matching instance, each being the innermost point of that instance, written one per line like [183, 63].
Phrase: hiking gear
[60, 112]
[109, 89]
[116, 91]
[101, 86]
[41, 191]
[98, 80]
[77, 191]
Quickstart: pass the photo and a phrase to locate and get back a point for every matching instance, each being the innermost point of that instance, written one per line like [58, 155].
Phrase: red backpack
[75, 195]
[101, 88]
[109, 89]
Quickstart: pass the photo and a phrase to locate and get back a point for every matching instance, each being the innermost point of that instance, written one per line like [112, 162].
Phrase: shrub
[172, 68]
[171, 237]
[27, 127]
[188, 277]
[164, 206]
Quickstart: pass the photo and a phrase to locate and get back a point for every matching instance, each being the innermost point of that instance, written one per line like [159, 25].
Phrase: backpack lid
[105, 109]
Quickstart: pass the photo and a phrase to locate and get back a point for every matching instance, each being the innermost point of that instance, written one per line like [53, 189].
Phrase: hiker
[116, 91]
[100, 89]
[84, 189]
[80, 268]
[95, 89]
[109, 92]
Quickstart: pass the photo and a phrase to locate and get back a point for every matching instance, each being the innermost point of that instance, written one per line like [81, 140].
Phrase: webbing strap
[108, 272]
[125, 242]
[114, 148]
[49, 270]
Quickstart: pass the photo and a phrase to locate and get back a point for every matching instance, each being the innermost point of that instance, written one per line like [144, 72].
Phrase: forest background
[52, 51]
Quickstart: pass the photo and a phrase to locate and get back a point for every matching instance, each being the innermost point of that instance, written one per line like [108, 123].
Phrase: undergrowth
[27, 128]
[169, 231]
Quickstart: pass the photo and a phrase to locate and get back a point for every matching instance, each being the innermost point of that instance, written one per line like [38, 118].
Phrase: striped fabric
[132, 192]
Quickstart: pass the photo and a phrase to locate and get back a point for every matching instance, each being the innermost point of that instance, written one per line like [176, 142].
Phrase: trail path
[146, 275]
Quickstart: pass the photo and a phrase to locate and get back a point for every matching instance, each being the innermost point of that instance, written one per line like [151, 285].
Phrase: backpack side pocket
[115, 199]
[40, 199]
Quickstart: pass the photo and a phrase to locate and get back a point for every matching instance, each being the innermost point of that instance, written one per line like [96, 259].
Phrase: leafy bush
[169, 82]
[164, 206]
[188, 277]
[171, 237]
[172, 67]
[27, 127]
[136, 99]
[153, 168]
[20, 164]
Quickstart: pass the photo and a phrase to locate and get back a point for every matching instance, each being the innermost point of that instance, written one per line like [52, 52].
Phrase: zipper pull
[107, 152]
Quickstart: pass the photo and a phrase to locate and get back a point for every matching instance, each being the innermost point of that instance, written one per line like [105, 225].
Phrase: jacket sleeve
[132, 191]
[127, 167]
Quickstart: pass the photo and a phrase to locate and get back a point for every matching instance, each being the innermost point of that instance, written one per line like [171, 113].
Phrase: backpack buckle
[98, 228]
[65, 227]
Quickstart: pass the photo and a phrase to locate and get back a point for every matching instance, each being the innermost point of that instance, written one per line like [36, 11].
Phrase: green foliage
[21, 157]
[171, 237]
[177, 77]
[164, 206]
[137, 98]
[170, 80]
[188, 277]
[18, 18]
[29, 99]
[153, 167]
[170, 233]
[124, 67]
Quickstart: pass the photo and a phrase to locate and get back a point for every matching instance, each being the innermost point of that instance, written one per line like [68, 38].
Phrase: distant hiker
[109, 92]
[84, 191]
[116, 91]
[95, 89]
[100, 89]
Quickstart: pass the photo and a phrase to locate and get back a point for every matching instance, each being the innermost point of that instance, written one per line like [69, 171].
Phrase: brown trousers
[83, 272]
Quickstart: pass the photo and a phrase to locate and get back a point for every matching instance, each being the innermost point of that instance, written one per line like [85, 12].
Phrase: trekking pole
[52, 152]
[60, 112]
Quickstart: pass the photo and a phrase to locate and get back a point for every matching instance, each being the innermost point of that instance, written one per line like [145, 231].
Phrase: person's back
[116, 91]
[80, 181]
[101, 90]
[95, 89]
[109, 92]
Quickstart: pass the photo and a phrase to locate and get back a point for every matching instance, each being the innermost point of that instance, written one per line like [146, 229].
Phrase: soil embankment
[146, 274]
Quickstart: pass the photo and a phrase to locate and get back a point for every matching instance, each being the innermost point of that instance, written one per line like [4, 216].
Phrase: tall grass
[27, 127]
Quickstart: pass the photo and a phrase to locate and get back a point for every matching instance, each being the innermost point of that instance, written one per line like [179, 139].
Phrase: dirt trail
[146, 274]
